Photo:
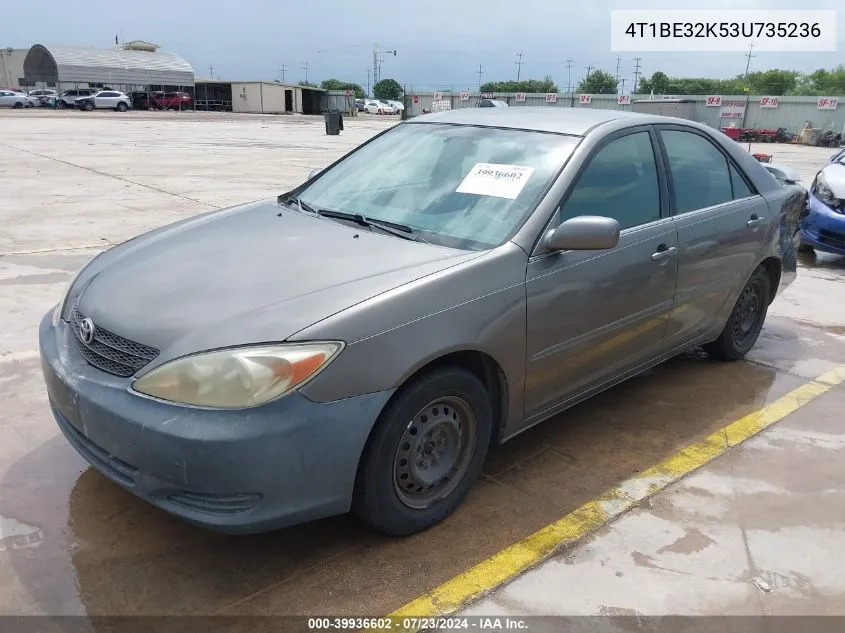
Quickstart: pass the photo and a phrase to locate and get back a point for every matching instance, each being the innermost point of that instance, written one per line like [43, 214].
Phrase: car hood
[257, 273]
[834, 176]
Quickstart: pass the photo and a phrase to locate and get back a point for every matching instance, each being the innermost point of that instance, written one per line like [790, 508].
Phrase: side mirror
[584, 233]
[314, 172]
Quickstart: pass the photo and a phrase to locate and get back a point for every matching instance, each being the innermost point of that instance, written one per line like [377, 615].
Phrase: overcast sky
[439, 42]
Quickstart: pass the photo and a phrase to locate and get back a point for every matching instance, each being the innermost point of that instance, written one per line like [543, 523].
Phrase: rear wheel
[18, 105]
[121, 107]
[746, 319]
[88, 106]
[425, 452]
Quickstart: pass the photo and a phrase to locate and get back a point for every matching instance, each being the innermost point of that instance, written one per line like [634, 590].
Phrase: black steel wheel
[424, 453]
[746, 320]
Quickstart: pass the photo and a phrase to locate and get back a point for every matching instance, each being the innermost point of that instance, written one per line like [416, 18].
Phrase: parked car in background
[172, 101]
[43, 95]
[68, 98]
[140, 100]
[397, 105]
[518, 263]
[105, 99]
[360, 105]
[387, 107]
[491, 103]
[15, 99]
[823, 228]
[374, 107]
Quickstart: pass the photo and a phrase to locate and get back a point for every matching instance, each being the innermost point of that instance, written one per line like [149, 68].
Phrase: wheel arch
[774, 268]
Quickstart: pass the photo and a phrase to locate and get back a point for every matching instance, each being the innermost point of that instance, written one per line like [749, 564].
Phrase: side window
[740, 187]
[620, 182]
[700, 174]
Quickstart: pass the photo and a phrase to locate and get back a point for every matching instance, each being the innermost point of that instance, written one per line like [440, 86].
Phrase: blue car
[823, 226]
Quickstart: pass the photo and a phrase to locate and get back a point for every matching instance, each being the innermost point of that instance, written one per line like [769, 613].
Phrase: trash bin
[334, 122]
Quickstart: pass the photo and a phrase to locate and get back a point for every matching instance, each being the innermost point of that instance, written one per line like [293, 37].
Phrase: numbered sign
[624, 100]
[769, 102]
[585, 99]
[465, 95]
[520, 96]
[416, 98]
[551, 97]
[827, 103]
[486, 95]
[714, 101]
[438, 96]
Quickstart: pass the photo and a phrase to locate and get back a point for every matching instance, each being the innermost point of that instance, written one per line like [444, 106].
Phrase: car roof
[574, 121]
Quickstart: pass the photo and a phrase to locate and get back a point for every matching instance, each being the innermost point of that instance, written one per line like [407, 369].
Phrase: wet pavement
[71, 542]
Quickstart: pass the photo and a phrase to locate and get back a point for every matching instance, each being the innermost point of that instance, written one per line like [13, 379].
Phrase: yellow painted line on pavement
[492, 572]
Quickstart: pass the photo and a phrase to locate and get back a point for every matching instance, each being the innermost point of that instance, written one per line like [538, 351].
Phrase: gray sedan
[13, 99]
[361, 342]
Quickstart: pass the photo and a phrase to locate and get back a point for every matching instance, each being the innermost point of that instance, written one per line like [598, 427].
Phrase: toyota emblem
[86, 331]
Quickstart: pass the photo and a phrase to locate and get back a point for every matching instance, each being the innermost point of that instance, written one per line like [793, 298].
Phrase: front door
[288, 100]
[720, 221]
[595, 314]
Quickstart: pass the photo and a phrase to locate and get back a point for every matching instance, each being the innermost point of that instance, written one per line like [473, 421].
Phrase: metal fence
[749, 111]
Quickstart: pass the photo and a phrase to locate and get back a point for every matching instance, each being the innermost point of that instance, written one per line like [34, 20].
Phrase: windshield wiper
[393, 228]
[298, 202]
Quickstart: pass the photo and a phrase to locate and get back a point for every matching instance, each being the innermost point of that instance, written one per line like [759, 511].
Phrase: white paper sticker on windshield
[500, 181]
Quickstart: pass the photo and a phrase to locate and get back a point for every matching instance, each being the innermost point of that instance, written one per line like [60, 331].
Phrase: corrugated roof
[116, 66]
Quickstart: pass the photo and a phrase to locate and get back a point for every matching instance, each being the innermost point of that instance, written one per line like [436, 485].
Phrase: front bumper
[253, 470]
[822, 228]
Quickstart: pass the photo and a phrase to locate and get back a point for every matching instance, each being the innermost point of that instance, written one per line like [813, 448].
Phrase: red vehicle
[171, 101]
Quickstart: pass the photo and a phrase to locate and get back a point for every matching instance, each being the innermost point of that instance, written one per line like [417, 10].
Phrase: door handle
[755, 220]
[663, 253]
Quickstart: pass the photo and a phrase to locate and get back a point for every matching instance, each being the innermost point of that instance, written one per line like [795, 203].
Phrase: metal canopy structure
[62, 64]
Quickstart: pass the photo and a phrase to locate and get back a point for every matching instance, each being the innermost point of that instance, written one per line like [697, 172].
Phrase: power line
[636, 74]
[518, 63]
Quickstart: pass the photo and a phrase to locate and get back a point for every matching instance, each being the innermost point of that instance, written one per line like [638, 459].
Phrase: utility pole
[569, 63]
[282, 72]
[518, 63]
[377, 63]
[636, 74]
[589, 69]
[369, 70]
[305, 68]
[622, 92]
[211, 71]
[480, 72]
[748, 55]
[618, 61]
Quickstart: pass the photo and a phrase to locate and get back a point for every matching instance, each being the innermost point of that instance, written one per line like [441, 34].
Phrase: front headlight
[824, 192]
[238, 378]
[58, 312]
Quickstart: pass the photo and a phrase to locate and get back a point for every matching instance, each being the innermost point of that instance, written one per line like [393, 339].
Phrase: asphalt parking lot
[71, 542]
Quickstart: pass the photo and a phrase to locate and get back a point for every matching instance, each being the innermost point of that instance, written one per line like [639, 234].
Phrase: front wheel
[746, 319]
[88, 106]
[424, 454]
[121, 107]
[18, 105]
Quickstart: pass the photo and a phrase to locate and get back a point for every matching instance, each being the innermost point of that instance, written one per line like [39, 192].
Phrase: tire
[61, 105]
[121, 107]
[443, 415]
[746, 319]
[88, 106]
[18, 105]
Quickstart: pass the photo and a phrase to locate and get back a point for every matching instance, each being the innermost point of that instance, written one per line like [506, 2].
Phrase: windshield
[459, 186]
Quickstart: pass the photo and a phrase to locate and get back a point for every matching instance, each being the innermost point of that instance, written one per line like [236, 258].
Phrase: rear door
[595, 314]
[721, 221]
[6, 99]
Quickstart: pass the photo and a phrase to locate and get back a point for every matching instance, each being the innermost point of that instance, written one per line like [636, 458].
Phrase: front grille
[108, 351]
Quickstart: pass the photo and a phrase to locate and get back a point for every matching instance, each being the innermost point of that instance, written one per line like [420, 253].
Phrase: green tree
[658, 83]
[337, 84]
[772, 82]
[599, 82]
[308, 84]
[535, 86]
[387, 89]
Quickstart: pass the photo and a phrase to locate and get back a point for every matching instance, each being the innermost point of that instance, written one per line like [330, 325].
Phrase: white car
[42, 96]
[375, 107]
[15, 99]
[111, 99]
[398, 105]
